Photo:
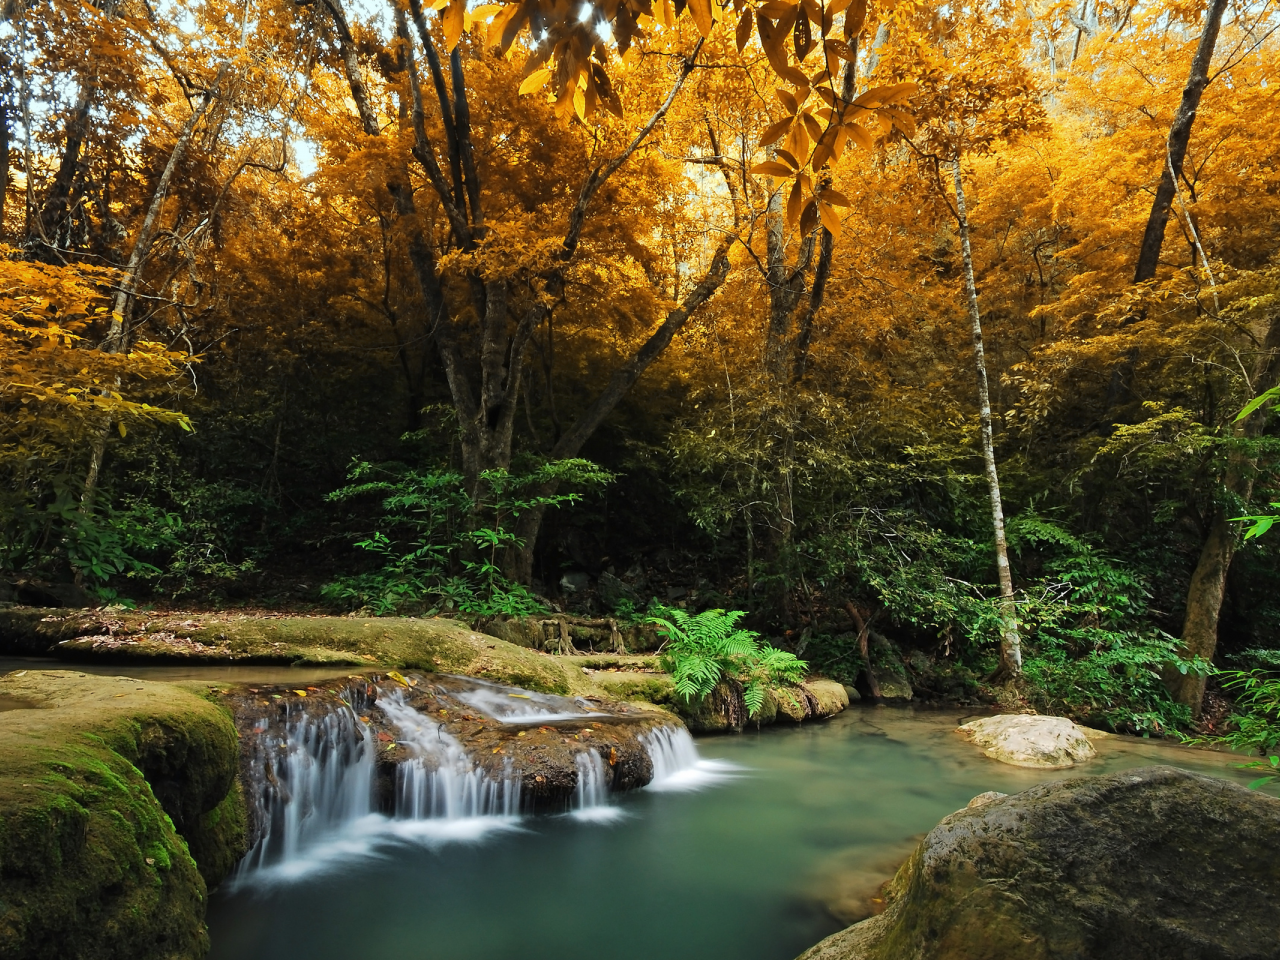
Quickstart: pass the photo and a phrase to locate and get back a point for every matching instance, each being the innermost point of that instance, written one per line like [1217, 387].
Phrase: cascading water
[676, 764]
[316, 776]
[339, 778]
[442, 781]
[591, 795]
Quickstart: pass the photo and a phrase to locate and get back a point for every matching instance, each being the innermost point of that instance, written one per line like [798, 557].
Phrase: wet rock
[793, 703]
[1150, 863]
[725, 709]
[829, 697]
[721, 710]
[1049, 743]
[812, 700]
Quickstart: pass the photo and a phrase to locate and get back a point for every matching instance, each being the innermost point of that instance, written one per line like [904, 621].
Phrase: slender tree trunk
[571, 442]
[57, 203]
[1010, 642]
[1209, 580]
[117, 340]
[1179, 137]
[5, 116]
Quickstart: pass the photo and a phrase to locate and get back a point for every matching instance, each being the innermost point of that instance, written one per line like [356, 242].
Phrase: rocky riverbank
[1154, 862]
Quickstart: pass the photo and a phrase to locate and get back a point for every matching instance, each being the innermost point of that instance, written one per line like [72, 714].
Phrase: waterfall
[322, 794]
[676, 764]
[591, 795]
[314, 775]
[441, 781]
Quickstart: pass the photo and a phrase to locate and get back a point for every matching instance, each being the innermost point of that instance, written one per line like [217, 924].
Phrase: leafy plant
[1256, 720]
[1094, 652]
[443, 547]
[702, 649]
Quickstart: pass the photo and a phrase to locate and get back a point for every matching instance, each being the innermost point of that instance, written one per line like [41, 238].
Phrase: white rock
[1029, 741]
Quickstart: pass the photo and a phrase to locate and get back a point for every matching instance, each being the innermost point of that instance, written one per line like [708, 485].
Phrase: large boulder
[1049, 743]
[118, 809]
[1151, 863]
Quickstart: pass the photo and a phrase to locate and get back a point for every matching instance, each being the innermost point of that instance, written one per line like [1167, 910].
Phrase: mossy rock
[437, 645]
[655, 688]
[1153, 862]
[98, 776]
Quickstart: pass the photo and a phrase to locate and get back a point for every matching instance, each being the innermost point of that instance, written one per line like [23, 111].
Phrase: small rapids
[347, 779]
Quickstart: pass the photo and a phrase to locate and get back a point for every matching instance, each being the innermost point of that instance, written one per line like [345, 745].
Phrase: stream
[764, 845]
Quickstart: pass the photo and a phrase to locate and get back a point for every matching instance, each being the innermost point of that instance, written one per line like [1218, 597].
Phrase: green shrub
[701, 650]
[1256, 720]
[442, 548]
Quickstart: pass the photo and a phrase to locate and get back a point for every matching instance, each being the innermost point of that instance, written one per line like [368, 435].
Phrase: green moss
[647, 687]
[95, 782]
[427, 645]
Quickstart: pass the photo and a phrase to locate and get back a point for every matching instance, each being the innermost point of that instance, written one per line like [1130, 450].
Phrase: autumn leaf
[771, 168]
[534, 81]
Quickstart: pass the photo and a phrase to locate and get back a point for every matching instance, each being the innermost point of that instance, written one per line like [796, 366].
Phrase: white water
[316, 792]
[676, 764]
[591, 795]
[318, 778]
[441, 781]
[511, 705]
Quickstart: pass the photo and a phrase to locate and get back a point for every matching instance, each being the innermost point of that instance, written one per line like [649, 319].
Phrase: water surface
[758, 865]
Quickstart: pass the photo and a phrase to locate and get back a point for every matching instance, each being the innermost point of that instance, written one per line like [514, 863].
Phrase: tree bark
[1010, 642]
[5, 117]
[1209, 581]
[117, 340]
[56, 206]
[1179, 137]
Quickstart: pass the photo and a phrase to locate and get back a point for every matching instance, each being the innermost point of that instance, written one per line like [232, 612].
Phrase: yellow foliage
[57, 391]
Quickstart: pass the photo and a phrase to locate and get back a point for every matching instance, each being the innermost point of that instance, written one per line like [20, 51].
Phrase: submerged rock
[1049, 743]
[118, 808]
[1150, 863]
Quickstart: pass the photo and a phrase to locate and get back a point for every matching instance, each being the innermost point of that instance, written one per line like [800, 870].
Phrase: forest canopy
[897, 325]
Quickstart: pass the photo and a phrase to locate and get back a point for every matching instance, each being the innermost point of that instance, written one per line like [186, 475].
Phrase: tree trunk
[5, 117]
[1209, 581]
[1010, 643]
[117, 340]
[56, 206]
[1179, 137]
[571, 443]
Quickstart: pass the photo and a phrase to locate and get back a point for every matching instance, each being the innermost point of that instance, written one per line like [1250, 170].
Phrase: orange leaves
[57, 389]
[535, 81]
[704, 16]
[455, 20]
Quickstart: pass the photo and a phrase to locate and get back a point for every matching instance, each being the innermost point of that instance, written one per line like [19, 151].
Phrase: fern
[700, 650]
